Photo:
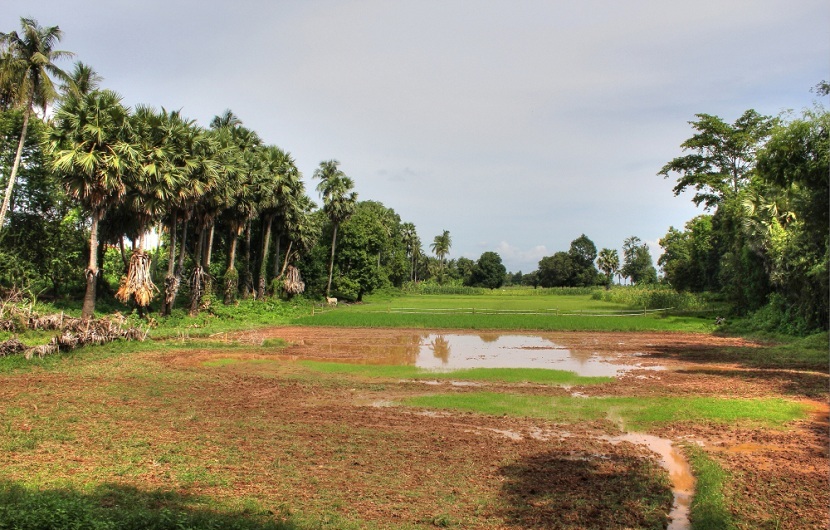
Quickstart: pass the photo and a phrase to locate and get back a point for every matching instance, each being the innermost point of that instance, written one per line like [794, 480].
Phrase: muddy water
[680, 473]
[456, 351]
[453, 351]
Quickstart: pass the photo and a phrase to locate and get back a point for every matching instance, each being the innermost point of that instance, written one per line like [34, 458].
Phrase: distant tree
[463, 269]
[557, 270]
[638, 265]
[441, 247]
[27, 65]
[688, 261]
[488, 271]
[338, 202]
[609, 263]
[583, 252]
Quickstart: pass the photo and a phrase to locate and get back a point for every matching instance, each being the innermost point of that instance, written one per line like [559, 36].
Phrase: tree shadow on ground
[553, 490]
[114, 506]
[788, 382]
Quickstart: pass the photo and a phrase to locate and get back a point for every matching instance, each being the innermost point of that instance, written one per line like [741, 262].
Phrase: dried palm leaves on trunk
[138, 284]
[293, 283]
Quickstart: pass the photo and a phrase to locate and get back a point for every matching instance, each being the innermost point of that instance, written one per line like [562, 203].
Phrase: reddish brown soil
[309, 446]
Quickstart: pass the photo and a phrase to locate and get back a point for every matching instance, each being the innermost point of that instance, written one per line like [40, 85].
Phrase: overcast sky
[516, 125]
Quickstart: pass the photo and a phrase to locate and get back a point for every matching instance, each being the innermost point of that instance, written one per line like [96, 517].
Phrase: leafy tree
[722, 156]
[794, 219]
[362, 237]
[488, 271]
[557, 270]
[339, 201]
[583, 252]
[463, 269]
[609, 263]
[27, 60]
[689, 260]
[637, 262]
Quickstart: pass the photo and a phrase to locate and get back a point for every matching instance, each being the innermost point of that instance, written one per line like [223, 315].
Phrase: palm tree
[280, 174]
[608, 262]
[338, 202]
[26, 62]
[82, 80]
[412, 244]
[90, 147]
[441, 247]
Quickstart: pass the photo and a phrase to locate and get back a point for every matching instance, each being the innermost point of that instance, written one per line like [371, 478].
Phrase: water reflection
[455, 351]
[440, 347]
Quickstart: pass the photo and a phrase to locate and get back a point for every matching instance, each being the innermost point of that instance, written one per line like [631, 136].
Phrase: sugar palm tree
[27, 60]
[608, 262]
[338, 202]
[412, 244]
[90, 147]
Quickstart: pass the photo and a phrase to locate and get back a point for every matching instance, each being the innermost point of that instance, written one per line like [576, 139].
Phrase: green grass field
[499, 310]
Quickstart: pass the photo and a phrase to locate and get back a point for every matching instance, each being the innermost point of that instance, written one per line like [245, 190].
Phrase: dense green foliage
[765, 246]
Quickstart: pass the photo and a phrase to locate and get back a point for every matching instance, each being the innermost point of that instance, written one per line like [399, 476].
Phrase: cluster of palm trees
[134, 169]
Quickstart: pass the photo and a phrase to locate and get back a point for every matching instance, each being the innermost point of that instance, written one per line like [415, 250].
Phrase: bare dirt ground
[332, 449]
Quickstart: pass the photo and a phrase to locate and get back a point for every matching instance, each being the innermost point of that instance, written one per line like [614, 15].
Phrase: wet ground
[340, 450]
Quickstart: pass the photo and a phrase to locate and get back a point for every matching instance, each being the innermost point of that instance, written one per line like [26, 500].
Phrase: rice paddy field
[531, 411]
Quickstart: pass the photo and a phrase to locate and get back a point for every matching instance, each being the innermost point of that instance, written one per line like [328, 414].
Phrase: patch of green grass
[708, 510]
[521, 311]
[636, 413]
[111, 507]
[506, 375]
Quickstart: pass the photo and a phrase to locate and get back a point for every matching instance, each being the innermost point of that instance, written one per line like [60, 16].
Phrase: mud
[339, 449]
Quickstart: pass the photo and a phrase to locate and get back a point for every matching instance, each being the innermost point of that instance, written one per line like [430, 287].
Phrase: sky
[517, 125]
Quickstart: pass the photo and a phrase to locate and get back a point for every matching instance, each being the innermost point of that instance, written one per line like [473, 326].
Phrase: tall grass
[656, 296]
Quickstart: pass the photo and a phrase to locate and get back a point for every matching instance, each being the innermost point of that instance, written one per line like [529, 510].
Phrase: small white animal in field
[331, 301]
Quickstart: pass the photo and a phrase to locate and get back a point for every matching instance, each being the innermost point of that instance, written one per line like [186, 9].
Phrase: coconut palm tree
[82, 80]
[27, 60]
[90, 147]
[441, 247]
[608, 262]
[338, 202]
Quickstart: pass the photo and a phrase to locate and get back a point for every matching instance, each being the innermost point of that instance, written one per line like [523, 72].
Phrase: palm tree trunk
[124, 258]
[91, 272]
[16, 166]
[170, 284]
[263, 264]
[331, 260]
[247, 282]
[285, 261]
[231, 275]
[171, 290]
[277, 241]
[197, 278]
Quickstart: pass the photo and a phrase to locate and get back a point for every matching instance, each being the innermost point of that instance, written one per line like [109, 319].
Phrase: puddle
[457, 351]
[680, 473]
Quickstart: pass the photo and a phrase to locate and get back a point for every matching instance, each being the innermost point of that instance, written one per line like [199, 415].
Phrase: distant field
[499, 311]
